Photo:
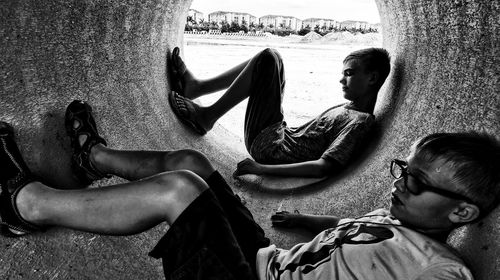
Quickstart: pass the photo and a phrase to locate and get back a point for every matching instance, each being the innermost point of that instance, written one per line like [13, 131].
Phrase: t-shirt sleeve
[345, 144]
[446, 271]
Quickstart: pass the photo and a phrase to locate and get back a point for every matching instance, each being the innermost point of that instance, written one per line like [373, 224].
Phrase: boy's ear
[464, 213]
[374, 77]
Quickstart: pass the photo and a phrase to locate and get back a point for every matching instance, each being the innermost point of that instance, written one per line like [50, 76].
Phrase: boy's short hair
[373, 59]
[475, 158]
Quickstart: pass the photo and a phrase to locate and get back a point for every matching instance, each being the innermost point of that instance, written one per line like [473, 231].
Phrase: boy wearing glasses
[447, 181]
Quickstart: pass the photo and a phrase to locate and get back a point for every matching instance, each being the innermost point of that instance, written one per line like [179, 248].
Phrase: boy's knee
[182, 183]
[268, 65]
[177, 190]
[270, 58]
[189, 159]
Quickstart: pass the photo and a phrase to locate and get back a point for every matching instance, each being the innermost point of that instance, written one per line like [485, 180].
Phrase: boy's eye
[413, 185]
[348, 73]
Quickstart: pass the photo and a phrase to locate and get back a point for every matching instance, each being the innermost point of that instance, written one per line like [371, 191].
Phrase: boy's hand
[284, 219]
[247, 166]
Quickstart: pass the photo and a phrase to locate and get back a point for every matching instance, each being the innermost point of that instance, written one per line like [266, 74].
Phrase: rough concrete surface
[112, 54]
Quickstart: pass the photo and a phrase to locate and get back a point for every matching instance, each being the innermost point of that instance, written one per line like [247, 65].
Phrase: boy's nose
[342, 80]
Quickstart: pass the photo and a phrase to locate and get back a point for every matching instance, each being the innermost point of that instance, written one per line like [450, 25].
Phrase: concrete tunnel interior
[444, 77]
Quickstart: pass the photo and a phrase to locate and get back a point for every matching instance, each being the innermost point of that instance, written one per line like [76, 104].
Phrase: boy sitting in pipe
[447, 180]
[319, 148]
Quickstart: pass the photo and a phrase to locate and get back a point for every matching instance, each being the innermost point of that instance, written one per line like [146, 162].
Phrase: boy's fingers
[278, 222]
[242, 163]
[276, 218]
[280, 219]
[282, 223]
[240, 168]
[279, 215]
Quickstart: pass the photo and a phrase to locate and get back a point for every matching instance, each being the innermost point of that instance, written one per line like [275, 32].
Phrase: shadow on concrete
[54, 153]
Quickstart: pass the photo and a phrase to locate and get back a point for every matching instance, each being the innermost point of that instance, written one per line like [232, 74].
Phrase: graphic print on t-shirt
[352, 233]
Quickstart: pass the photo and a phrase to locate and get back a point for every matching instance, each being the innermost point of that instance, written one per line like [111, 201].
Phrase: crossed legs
[164, 185]
[164, 188]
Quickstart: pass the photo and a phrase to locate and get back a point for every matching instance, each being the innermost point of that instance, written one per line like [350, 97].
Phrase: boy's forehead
[432, 166]
[424, 157]
[352, 63]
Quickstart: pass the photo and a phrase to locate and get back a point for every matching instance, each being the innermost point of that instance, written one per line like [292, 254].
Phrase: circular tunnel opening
[313, 60]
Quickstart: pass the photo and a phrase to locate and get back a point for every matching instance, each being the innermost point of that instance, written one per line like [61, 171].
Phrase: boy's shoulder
[346, 114]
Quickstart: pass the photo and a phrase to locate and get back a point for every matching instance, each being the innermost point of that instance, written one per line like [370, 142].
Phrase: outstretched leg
[190, 87]
[200, 238]
[92, 160]
[135, 165]
[27, 205]
[115, 210]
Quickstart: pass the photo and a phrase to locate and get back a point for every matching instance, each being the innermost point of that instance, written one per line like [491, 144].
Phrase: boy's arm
[313, 223]
[314, 168]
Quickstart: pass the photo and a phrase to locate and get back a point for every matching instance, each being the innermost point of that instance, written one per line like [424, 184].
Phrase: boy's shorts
[215, 237]
[266, 95]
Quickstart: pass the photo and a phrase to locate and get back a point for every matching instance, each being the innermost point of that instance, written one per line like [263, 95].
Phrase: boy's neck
[437, 234]
[365, 105]
[361, 106]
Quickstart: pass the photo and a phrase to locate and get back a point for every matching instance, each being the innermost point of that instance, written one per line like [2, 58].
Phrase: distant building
[229, 17]
[356, 24]
[195, 15]
[281, 22]
[323, 23]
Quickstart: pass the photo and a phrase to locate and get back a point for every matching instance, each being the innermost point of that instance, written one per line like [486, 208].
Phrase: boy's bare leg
[115, 210]
[121, 209]
[195, 88]
[135, 165]
[238, 90]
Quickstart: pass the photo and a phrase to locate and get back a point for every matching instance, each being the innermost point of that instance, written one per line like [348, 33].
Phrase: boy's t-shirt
[374, 246]
[333, 135]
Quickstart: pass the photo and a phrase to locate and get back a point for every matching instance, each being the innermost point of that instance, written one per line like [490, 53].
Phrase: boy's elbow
[327, 168]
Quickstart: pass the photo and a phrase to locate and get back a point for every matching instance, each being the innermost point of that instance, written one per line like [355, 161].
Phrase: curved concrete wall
[446, 78]
[112, 53]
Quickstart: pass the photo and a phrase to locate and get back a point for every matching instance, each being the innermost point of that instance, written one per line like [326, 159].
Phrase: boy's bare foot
[183, 81]
[188, 112]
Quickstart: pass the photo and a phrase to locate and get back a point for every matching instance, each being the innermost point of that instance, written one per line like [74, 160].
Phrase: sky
[361, 10]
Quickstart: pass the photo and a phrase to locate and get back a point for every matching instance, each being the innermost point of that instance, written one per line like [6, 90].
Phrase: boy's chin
[393, 209]
[350, 96]
[396, 213]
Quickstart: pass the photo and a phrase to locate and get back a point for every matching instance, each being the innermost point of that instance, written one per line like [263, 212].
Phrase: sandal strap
[82, 113]
[83, 165]
[87, 125]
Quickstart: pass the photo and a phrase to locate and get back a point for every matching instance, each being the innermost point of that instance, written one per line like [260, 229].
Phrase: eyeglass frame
[421, 186]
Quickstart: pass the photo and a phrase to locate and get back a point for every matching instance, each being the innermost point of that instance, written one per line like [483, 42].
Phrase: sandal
[184, 113]
[14, 176]
[81, 112]
[178, 70]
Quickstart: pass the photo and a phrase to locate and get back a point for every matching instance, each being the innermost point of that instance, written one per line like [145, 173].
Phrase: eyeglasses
[399, 169]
